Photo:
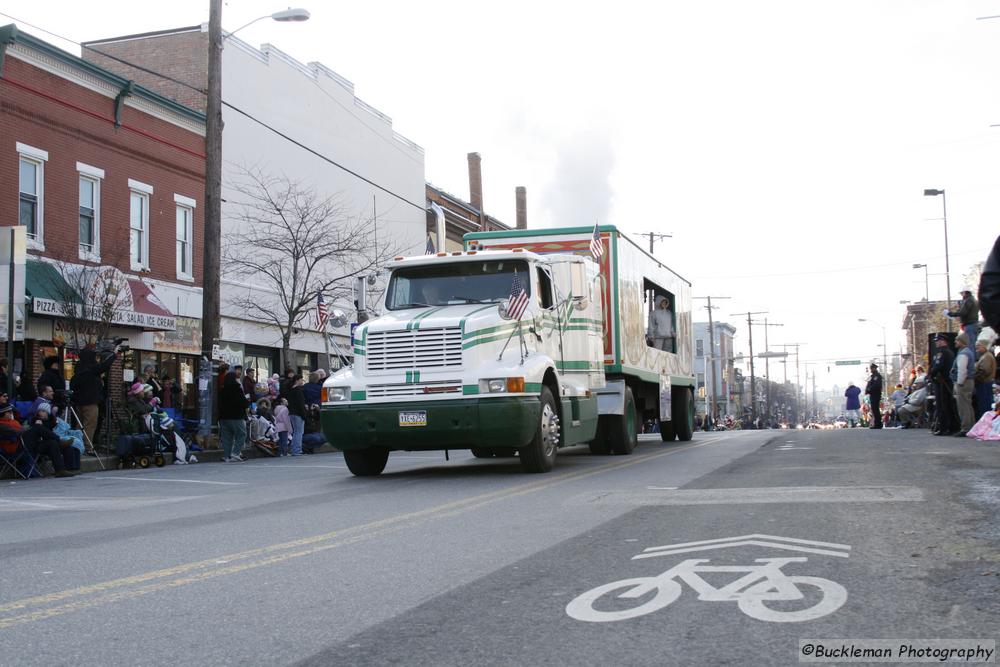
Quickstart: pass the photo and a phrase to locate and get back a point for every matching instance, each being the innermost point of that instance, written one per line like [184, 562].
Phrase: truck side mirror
[581, 302]
[578, 281]
[502, 310]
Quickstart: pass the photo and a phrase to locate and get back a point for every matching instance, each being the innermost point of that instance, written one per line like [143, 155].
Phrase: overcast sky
[784, 143]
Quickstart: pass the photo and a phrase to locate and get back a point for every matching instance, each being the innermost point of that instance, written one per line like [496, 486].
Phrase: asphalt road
[895, 534]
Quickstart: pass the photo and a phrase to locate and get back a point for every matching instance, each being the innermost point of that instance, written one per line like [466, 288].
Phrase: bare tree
[88, 299]
[293, 244]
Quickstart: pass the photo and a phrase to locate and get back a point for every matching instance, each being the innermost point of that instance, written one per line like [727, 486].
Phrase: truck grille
[429, 389]
[419, 349]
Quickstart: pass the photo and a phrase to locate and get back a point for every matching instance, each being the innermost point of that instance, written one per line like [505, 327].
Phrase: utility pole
[654, 235]
[784, 348]
[711, 358]
[753, 403]
[767, 366]
[211, 264]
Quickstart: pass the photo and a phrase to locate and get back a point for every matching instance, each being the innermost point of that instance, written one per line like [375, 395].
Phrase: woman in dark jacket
[232, 419]
[297, 412]
[313, 389]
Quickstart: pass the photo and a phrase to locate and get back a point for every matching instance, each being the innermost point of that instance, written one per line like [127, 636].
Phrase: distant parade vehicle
[517, 346]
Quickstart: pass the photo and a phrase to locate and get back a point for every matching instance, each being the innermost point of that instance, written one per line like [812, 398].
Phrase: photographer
[88, 391]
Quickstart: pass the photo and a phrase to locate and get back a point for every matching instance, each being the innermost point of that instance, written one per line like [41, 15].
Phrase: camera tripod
[70, 411]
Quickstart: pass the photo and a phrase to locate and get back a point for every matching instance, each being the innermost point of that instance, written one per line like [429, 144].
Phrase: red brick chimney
[521, 197]
[476, 182]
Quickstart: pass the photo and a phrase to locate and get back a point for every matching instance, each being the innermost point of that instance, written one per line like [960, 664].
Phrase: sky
[784, 144]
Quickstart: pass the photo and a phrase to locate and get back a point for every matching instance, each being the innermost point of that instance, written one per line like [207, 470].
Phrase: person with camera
[87, 387]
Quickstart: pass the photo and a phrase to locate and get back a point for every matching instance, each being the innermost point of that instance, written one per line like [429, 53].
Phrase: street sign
[852, 362]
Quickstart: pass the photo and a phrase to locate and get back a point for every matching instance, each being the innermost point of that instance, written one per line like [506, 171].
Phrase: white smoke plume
[580, 192]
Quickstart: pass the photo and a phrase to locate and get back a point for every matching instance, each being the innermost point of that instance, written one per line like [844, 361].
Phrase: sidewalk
[91, 464]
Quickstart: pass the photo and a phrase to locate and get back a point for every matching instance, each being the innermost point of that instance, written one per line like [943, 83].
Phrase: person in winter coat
[873, 390]
[283, 425]
[51, 377]
[661, 325]
[313, 389]
[233, 405]
[961, 376]
[968, 314]
[944, 399]
[989, 288]
[853, 407]
[297, 412]
[88, 391]
[40, 440]
[986, 370]
[913, 406]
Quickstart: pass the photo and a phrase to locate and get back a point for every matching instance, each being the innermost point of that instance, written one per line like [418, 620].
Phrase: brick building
[108, 177]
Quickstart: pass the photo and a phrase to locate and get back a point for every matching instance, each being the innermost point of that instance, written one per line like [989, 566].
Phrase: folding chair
[19, 455]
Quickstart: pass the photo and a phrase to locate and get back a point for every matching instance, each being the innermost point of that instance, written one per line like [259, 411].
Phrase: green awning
[43, 281]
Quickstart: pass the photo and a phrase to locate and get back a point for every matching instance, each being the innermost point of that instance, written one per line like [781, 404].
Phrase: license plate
[417, 418]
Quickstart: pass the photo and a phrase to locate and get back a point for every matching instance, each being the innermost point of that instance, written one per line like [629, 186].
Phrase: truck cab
[462, 359]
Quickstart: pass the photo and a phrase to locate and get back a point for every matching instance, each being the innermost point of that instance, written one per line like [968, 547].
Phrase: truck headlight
[513, 385]
[334, 394]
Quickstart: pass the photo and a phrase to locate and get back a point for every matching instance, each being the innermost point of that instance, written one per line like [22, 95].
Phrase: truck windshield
[455, 283]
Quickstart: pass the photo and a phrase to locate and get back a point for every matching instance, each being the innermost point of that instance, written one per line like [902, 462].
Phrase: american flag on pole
[430, 249]
[322, 314]
[518, 299]
[596, 246]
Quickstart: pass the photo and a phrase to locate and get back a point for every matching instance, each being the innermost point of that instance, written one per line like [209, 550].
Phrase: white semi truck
[447, 366]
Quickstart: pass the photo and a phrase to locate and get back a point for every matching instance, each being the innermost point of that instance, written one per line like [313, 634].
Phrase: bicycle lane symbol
[759, 584]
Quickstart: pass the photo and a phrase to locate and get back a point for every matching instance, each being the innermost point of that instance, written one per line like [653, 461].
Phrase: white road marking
[762, 582]
[754, 495]
[662, 488]
[307, 466]
[21, 502]
[181, 481]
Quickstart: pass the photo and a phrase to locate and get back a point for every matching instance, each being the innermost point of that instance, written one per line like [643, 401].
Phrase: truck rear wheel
[540, 454]
[623, 434]
[667, 432]
[683, 414]
[366, 462]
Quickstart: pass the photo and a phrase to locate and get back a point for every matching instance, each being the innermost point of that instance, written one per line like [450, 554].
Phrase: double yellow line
[138, 585]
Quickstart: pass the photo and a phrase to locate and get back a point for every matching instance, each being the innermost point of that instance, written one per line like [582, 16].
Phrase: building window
[185, 237]
[139, 230]
[31, 191]
[90, 213]
[699, 346]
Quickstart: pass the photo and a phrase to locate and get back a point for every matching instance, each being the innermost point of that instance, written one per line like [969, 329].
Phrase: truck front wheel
[540, 454]
[366, 462]
[623, 432]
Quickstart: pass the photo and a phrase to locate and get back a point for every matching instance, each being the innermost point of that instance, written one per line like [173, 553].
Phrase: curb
[90, 464]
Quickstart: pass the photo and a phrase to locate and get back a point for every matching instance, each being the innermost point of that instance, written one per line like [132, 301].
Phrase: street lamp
[211, 260]
[927, 291]
[285, 16]
[884, 357]
[930, 192]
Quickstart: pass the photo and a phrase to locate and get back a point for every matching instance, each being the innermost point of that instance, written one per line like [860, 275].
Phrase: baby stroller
[262, 435]
[146, 448]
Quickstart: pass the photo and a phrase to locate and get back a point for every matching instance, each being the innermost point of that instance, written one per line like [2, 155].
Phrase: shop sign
[230, 353]
[62, 331]
[13, 255]
[185, 339]
[125, 318]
